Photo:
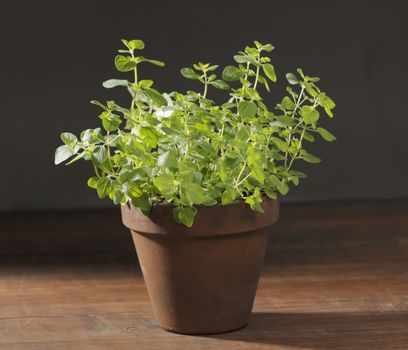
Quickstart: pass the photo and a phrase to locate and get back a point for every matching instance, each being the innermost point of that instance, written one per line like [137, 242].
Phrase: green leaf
[243, 134]
[220, 84]
[124, 64]
[269, 71]
[209, 201]
[69, 138]
[103, 187]
[145, 84]
[254, 204]
[327, 135]
[149, 136]
[119, 197]
[327, 103]
[143, 203]
[130, 175]
[167, 160]
[155, 62]
[310, 158]
[329, 112]
[195, 193]
[308, 137]
[288, 103]
[283, 188]
[310, 114]
[136, 44]
[298, 174]
[300, 71]
[311, 88]
[165, 184]
[134, 190]
[156, 97]
[263, 81]
[252, 155]
[258, 173]
[211, 77]
[247, 109]
[125, 42]
[273, 180]
[231, 73]
[90, 136]
[169, 131]
[93, 182]
[245, 59]
[229, 195]
[294, 179]
[111, 83]
[285, 120]
[185, 215]
[100, 154]
[62, 153]
[268, 47]
[282, 145]
[111, 122]
[292, 79]
[189, 73]
[205, 146]
[212, 68]
[270, 193]
[97, 103]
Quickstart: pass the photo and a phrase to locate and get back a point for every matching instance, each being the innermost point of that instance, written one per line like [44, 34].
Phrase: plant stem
[268, 140]
[109, 154]
[186, 134]
[257, 72]
[96, 170]
[240, 174]
[135, 74]
[205, 85]
[299, 147]
[315, 102]
[135, 82]
[298, 103]
[247, 71]
[221, 138]
[238, 184]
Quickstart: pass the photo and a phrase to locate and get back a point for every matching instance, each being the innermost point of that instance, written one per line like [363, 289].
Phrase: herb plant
[186, 150]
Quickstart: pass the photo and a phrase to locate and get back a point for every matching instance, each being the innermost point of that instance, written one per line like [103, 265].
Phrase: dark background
[55, 54]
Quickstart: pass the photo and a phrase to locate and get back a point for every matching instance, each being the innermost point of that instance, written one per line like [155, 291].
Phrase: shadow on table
[325, 330]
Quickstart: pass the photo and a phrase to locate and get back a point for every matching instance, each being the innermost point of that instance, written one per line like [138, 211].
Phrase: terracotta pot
[203, 279]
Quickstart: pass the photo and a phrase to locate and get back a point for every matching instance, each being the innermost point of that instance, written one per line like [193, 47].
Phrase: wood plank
[335, 277]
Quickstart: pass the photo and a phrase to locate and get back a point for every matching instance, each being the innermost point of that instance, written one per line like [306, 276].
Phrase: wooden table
[335, 277]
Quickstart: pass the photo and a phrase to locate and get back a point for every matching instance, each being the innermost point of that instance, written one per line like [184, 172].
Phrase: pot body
[203, 279]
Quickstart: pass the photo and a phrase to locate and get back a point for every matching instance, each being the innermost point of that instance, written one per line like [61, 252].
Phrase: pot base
[175, 331]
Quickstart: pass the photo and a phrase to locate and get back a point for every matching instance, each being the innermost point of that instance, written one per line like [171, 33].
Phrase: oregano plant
[186, 150]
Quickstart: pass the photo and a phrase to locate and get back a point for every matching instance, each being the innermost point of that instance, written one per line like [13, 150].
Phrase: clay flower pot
[203, 279]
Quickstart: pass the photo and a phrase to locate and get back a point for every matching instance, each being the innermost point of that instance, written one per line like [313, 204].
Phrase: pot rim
[233, 218]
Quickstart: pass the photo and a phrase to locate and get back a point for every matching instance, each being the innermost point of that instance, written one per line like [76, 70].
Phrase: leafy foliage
[187, 150]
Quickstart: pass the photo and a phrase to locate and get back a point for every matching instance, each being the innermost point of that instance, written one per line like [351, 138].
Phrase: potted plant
[198, 181]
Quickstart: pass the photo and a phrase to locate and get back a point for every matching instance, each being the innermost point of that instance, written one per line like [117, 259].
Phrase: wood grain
[335, 277]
